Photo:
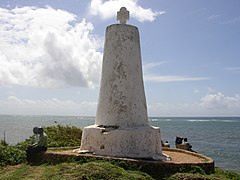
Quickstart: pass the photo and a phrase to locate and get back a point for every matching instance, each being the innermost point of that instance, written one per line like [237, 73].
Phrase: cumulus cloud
[51, 106]
[210, 105]
[108, 9]
[215, 104]
[219, 101]
[45, 47]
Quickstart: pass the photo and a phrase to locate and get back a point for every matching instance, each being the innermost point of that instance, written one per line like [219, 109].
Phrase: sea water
[215, 137]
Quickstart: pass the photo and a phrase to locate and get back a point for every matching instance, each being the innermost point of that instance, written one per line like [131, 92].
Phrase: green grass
[219, 174]
[98, 170]
[91, 170]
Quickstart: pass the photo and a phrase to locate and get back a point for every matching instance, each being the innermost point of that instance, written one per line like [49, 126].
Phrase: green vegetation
[98, 170]
[58, 136]
[219, 174]
[84, 168]
[3, 143]
[91, 170]
[63, 136]
[11, 155]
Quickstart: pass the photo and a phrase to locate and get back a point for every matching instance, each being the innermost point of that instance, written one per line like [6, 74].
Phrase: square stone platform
[181, 161]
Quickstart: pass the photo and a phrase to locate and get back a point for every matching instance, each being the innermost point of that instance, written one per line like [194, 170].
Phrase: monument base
[133, 142]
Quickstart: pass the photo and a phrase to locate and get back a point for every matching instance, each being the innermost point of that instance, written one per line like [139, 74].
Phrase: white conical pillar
[122, 99]
[121, 127]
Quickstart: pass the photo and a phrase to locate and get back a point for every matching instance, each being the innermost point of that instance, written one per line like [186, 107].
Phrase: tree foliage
[63, 136]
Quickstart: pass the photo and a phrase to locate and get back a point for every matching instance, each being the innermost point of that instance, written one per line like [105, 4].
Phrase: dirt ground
[184, 157]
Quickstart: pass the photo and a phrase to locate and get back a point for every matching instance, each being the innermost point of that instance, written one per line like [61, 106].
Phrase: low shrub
[223, 174]
[3, 143]
[11, 155]
[63, 136]
[24, 144]
[58, 136]
[197, 170]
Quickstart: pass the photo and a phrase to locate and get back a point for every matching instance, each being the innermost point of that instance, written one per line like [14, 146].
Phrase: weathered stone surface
[121, 128]
[134, 142]
[122, 99]
[123, 15]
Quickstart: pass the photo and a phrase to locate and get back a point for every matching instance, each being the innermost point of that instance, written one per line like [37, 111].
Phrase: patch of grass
[91, 170]
[197, 170]
[185, 176]
[51, 172]
[219, 174]
[21, 172]
[14, 172]
[106, 170]
[224, 175]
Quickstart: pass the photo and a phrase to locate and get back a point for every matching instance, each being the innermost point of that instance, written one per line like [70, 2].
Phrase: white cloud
[219, 101]
[211, 90]
[234, 69]
[196, 91]
[153, 65]
[156, 78]
[210, 105]
[53, 106]
[45, 47]
[174, 109]
[214, 16]
[148, 76]
[108, 9]
[234, 20]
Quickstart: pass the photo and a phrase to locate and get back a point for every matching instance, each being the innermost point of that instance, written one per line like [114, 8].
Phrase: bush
[63, 136]
[58, 136]
[197, 170]
[223, 174]
[11, 155]
[232, 175]
[24, 144]
[3, 143]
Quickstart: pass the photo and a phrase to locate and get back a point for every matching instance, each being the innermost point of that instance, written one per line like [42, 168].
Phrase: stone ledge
[181, 161]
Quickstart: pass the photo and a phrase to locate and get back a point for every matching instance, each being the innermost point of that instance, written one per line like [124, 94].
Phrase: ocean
[216, 137]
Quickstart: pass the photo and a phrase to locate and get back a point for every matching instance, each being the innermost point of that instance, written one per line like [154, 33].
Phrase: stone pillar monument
[121, 128]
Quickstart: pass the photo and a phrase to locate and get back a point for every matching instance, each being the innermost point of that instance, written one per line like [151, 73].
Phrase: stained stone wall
[122, 99]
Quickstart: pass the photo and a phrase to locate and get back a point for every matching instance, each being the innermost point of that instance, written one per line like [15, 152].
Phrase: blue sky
[51, 54]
